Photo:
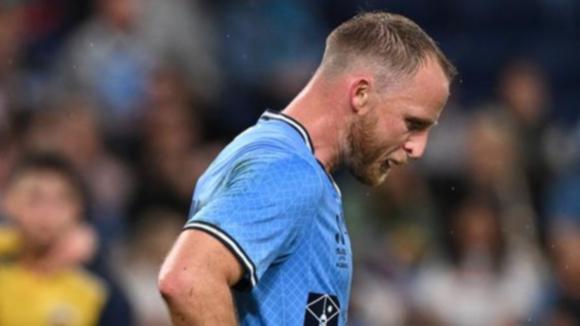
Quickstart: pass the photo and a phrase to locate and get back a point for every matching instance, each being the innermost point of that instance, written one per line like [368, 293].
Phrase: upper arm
[195, 281]
[198, 256]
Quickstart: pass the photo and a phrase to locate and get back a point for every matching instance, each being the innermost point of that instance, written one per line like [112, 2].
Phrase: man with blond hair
[266, 243]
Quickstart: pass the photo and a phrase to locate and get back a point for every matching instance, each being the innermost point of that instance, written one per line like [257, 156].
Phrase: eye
[416, 124]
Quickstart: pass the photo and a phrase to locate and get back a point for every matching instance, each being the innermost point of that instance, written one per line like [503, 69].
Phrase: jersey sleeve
[262, 210]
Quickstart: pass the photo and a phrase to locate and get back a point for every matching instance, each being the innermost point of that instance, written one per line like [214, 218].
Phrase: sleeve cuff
[249, 278]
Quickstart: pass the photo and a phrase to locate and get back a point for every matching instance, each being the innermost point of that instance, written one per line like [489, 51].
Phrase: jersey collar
[272, 115]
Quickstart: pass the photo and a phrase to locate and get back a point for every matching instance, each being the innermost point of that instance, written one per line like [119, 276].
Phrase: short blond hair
[392, 41]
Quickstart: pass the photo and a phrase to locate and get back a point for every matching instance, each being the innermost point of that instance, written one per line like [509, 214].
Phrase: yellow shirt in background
[71, 297]
[9, 242]
[67, 298]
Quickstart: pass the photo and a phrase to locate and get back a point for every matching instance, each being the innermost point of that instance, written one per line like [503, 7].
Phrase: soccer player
[266, 243]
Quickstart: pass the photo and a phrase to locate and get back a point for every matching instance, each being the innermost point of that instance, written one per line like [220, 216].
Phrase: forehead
[430, 84]
[426, 92]
[41, 179]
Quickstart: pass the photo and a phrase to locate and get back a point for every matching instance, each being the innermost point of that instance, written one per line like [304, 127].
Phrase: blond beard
[363, 151]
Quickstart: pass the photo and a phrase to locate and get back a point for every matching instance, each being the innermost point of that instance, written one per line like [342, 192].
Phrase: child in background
[43, 247]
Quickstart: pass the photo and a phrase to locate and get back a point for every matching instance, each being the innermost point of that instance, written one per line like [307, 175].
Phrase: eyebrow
[423, 122]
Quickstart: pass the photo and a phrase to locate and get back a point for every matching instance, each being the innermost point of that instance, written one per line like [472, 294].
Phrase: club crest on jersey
[322, 310]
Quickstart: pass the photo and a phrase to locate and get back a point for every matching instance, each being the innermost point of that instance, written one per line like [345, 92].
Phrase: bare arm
[195, 280]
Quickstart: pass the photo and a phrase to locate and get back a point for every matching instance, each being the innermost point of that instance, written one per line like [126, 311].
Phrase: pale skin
[196, 277]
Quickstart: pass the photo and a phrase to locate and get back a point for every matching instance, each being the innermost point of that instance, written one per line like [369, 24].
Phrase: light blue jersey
[268, 200]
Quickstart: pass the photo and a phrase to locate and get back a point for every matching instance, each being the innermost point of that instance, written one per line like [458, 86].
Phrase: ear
[360, 95]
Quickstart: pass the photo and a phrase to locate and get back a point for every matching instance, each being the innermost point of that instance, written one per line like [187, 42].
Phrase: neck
[319, 111]
[39, 260]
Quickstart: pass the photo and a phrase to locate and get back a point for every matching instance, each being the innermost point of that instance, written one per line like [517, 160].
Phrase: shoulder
[266, 178]
[269, 163]
[274, 135]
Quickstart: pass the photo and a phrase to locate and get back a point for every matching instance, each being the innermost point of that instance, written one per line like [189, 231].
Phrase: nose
[416, 144]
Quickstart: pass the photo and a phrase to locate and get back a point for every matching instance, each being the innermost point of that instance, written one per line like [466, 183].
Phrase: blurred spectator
[485, 280]
[526, 100]
[112, 57]
[139, 260]
[11, 77]
[47, 23]
[562, 299]
[270, 50]
[562, 304]
[391, 229]
[445, 162]
[168, 87]
[72, 129]
[523, 106]
[172, 151]
[562, 200]
[182, 33]
[8, 154]
[404, 203]
[445, 157]
[108, 63]
[495, 168]
[45, 204]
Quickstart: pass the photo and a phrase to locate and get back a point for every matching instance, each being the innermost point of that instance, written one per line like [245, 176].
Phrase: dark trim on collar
[269, 114]
[330, 178]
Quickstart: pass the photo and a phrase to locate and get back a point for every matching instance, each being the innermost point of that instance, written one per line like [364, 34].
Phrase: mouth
[387, 165]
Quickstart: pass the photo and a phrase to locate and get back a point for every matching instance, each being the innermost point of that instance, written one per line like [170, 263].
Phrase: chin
[379, 180]
[371, 177]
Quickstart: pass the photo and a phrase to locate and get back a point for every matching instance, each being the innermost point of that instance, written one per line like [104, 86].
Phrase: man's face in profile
[396, 129]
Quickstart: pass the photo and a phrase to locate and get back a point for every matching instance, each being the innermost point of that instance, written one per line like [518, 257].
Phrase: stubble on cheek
[364, 153]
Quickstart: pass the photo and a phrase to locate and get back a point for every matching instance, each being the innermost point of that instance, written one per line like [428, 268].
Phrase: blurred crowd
[136, 97]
